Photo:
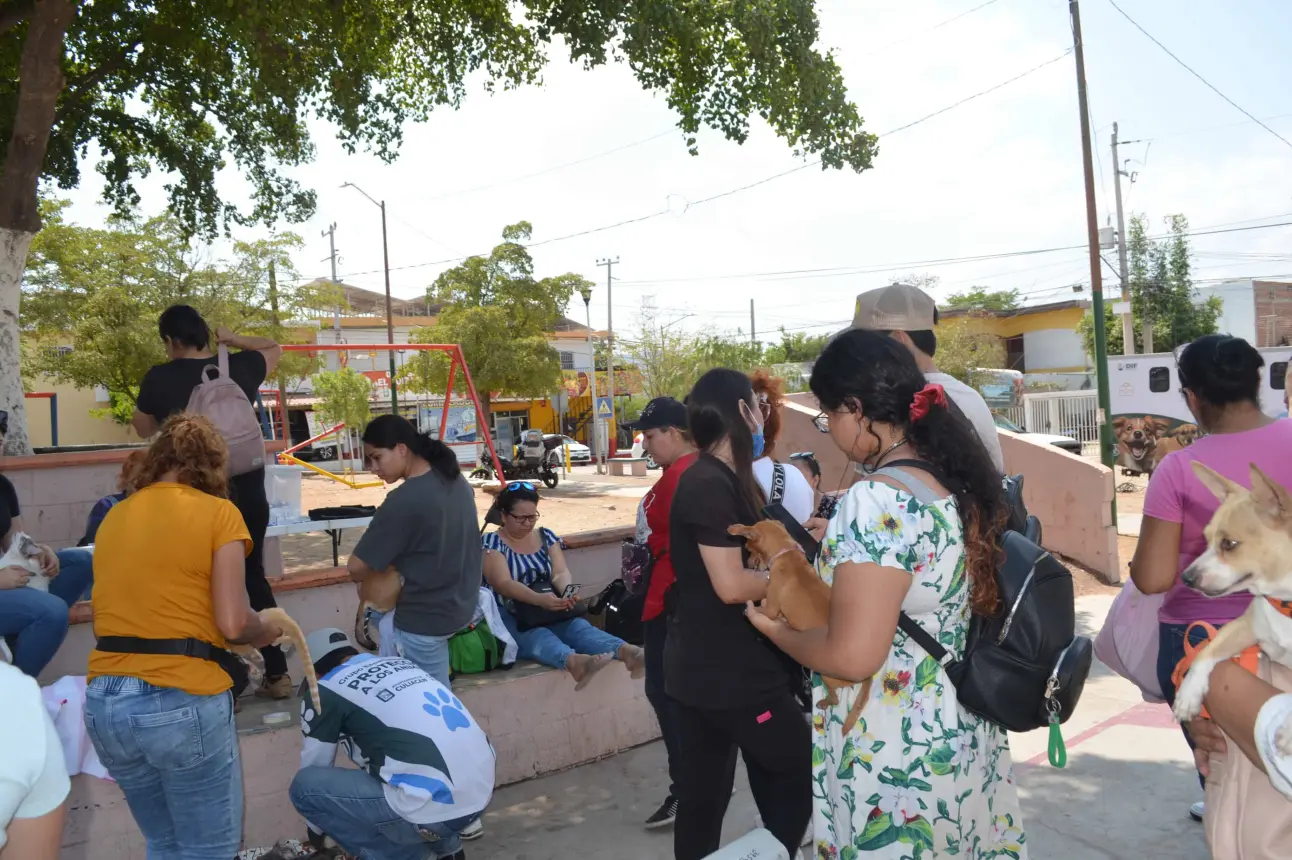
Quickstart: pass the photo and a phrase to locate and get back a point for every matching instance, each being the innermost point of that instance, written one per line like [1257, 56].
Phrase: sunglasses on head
[804, 455]
[521, 485]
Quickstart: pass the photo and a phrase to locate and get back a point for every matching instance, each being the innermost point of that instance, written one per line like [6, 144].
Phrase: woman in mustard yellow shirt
[169, 596]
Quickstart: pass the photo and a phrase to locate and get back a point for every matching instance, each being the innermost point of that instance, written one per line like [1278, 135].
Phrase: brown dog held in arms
[797, 593]
[378, 592]
[1249, 542]
[292, 635]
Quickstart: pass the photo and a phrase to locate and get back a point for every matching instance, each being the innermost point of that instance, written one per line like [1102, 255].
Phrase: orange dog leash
[1249, 659]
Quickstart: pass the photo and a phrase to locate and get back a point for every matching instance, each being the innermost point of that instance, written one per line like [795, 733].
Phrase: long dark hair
[387, 431]
[870, 373]
[713, 414]
[1220, 370]
[183, 324]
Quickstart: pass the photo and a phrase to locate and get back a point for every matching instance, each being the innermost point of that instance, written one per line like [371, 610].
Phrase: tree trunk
[40, 78]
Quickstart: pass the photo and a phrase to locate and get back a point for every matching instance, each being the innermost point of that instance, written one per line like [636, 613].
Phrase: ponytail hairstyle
[190, 448]
[872, 375]
[713, 414]
[387, 431]
[1220, 370]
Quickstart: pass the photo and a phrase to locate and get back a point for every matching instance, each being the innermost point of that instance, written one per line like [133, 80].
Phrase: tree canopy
[964, 349]
[501, 316]
[1161, 291]
[981, 298]
[100, 291]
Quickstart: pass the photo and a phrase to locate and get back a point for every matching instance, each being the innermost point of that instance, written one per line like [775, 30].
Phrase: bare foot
[583, 666]
[634, 658]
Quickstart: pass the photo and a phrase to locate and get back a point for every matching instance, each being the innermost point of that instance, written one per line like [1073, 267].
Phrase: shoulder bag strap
[778, 484]
[222, 360]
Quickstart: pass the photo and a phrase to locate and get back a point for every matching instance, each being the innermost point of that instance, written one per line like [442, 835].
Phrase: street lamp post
[586, 292]
[390, 318]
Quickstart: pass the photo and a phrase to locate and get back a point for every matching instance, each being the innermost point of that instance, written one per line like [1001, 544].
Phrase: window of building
[1278, 375]
[1159, 379]
[567, 361]
[56, 352]
[1014, 359]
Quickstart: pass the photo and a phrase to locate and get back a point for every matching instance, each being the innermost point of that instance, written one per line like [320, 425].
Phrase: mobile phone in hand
[570, 590]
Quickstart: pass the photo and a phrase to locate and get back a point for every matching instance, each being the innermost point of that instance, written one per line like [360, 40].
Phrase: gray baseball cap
[897, 307]
[323, 642]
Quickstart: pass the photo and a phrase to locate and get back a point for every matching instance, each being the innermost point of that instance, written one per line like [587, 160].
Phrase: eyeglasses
[527, 519]
[804, 455]
[822, 422]
[521, 485]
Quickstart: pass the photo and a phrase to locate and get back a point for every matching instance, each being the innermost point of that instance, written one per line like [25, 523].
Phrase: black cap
[661, 413]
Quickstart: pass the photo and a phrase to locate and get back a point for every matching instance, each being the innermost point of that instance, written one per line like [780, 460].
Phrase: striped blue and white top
[526, 568]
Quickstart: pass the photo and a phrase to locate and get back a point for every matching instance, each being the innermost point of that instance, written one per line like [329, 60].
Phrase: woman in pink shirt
[1220, 378]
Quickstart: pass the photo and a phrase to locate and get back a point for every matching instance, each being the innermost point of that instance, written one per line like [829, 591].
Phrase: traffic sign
[603, 408]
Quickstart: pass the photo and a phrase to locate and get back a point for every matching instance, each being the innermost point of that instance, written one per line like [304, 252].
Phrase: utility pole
[282, 387]
[330, 232]
[390, 318]
[1092, 238]
[1128, 322]
[586, 292]
[753, 339]
[610, 341]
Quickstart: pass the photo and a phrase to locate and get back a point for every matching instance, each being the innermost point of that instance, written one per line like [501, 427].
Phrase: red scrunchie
[930, 395]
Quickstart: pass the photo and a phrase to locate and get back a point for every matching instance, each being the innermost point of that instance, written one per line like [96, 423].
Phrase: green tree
[1162, 294]
[100, 291]
[345, 395]
[181, 86]
[738, 353]
[664, 355]
[796, 347]
[980, 298]
[501, 316]
[964, 349]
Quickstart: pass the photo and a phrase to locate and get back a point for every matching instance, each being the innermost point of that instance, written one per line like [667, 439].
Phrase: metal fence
[1066, 413]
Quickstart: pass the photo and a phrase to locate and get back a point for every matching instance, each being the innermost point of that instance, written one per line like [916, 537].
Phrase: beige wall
[76, 426]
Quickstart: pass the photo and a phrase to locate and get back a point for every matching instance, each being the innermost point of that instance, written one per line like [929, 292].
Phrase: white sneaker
[1198, 810]
[474, 831]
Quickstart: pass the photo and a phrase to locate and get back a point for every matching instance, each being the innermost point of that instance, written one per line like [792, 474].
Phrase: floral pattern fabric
[918, 776]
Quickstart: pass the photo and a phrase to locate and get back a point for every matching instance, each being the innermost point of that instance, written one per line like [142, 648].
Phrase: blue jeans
[429, 653]
[552, 645]
[175, 756]
[350, 806]
[1170, 651]
[34, 622]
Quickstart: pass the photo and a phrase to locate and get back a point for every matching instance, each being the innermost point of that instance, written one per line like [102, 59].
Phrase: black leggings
[248, 493]
[666, 707]
[776, 743]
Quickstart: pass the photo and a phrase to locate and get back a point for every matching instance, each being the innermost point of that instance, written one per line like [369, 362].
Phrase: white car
[639, 451]
[579, 453]
[1067, 443]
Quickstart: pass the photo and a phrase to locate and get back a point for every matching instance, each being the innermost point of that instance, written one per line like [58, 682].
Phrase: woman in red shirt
[663, 427]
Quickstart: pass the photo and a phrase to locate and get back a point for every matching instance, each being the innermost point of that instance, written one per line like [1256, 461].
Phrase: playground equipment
[456, 360]
[347, 474]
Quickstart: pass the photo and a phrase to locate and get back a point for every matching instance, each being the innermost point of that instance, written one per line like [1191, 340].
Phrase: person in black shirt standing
[166, 390]
[733, 687]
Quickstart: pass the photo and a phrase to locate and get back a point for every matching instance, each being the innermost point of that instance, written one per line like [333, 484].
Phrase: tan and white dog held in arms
[797, 593]
[25, 553]
[1249, 548]
[292, 635]
[379, 593]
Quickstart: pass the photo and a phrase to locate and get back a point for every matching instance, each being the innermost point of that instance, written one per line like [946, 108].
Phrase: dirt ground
[584, 502]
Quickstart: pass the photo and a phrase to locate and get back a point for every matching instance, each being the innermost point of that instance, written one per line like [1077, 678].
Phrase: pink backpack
[223, 402]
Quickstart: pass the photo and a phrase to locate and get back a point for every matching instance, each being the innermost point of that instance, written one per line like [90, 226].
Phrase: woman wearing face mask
[426, 529]
[1220, 378]
[732, 687]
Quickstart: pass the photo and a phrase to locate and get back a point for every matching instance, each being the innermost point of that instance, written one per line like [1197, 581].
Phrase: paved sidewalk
[1124, 794]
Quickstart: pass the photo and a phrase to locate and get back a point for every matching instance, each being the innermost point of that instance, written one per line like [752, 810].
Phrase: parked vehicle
[537, 458]
[1067, 443]
[298, 424]
[579, 453]
[1150, 419]
[639, 451]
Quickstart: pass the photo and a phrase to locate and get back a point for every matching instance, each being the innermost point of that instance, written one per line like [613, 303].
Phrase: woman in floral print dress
[918, 776]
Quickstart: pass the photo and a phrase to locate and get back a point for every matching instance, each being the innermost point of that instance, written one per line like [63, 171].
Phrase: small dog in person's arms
[797, 593]
[1249, 544]
[377, 593]
[25, 553]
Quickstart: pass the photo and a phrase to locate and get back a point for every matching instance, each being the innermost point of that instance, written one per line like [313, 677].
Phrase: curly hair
[128, 480]
[190, 448]
[769, 391]
[871, 374]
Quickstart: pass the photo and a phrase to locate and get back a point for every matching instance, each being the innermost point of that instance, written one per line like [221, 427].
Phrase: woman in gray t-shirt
[427, 530]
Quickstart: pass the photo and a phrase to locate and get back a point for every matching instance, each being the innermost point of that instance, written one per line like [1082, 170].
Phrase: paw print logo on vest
[446, 706]
[307, 716]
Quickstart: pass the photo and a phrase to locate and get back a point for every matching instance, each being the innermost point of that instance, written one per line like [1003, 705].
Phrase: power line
[1190, 70]
[937, 26]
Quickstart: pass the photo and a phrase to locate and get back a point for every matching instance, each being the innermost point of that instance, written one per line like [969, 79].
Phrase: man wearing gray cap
[908, 314]
[426, 769]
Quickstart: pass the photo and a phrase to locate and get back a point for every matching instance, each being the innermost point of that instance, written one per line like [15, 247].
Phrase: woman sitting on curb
[518, 557]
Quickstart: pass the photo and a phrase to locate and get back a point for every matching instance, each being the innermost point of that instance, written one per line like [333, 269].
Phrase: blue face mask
[759, 443]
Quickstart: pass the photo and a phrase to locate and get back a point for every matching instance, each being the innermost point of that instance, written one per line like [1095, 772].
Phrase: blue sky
[1001, 173]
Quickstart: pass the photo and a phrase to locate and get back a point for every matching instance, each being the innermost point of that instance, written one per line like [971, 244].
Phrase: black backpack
[1025, 667]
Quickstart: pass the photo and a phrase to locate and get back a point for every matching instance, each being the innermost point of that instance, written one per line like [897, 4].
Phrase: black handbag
[528, 616]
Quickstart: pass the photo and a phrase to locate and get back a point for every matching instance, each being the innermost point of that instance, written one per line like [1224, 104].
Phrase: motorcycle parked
[538, 460]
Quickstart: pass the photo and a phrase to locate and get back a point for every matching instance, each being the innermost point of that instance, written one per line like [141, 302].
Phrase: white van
[1149, 416]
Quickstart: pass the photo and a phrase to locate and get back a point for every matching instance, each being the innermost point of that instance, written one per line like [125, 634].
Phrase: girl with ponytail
[426, 529]
[885, 552]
